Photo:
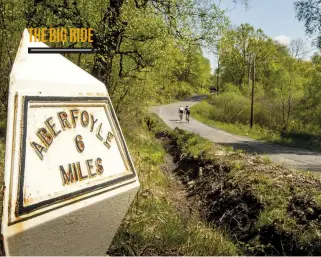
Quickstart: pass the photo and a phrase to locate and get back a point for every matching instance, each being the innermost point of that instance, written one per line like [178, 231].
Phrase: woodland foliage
[286, 93]
[147, 50]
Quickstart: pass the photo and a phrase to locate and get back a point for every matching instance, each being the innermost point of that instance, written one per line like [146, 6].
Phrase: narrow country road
[293, 158]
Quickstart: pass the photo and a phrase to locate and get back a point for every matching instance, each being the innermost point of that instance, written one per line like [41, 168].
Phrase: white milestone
[69, 178]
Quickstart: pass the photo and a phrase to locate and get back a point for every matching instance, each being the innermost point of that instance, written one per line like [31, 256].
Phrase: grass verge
[265, 208]
[3, 129]
[153, 226]
[202, 113]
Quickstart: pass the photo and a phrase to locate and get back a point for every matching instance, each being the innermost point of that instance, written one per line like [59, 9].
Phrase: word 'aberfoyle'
[49, 132]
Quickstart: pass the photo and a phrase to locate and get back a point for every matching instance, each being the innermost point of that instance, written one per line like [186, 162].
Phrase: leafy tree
[239, 47]
[130, 38]
[11, 27]
[146, 49]
[297, 48]
[309, 11]
[280, 78]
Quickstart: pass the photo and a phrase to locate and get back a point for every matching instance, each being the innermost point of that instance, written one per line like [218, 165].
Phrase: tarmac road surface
[293, 158]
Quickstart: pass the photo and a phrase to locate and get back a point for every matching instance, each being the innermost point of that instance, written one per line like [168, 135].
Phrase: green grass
[202, 113]
[153, 226]
[265, 189]
[194, 144]
[2, 157]
[253, 184]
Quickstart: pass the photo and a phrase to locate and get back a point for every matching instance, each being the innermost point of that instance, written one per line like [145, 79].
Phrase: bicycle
[181, 116]
[187, 118]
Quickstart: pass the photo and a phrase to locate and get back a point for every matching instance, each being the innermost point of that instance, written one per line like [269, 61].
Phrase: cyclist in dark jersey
[187, 113]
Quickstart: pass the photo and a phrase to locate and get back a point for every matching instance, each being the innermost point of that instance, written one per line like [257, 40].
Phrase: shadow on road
[179, 121]
[196, 98]
[266, 148]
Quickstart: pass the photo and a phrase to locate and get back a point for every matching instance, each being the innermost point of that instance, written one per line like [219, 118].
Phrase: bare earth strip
[290, 157]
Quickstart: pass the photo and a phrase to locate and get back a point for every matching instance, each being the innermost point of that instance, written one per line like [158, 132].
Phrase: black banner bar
[47, 50]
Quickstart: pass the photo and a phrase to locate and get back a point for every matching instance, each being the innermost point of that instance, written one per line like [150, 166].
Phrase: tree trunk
[108, 44]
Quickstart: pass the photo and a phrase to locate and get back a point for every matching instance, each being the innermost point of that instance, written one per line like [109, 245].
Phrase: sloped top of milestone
[50, 73]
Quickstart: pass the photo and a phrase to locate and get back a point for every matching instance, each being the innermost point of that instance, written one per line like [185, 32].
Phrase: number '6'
[79, 144]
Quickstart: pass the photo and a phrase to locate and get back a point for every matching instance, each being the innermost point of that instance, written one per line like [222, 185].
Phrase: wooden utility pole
[218, 73]
[249, 72]
[252, 97]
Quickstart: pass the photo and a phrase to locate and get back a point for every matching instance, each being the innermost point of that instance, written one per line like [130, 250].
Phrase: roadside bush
[233, 107]
[229, 87]
[264, 115]
[183, 91]
[230, 107]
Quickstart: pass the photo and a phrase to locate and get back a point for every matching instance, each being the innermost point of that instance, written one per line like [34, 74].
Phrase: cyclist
[187, 113]
[181, 112]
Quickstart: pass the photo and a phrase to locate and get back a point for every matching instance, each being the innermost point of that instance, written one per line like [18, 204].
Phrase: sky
[275, 17]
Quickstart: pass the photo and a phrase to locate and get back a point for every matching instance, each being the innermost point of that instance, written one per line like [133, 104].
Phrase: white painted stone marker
[69, 179]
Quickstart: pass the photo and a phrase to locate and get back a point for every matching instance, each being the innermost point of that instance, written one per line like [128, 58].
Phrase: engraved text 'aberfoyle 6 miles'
[49, 132]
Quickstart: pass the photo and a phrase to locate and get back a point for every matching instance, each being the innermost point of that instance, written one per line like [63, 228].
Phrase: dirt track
[294, 158]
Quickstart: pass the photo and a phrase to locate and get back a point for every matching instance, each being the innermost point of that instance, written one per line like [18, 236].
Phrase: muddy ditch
[266, 209]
